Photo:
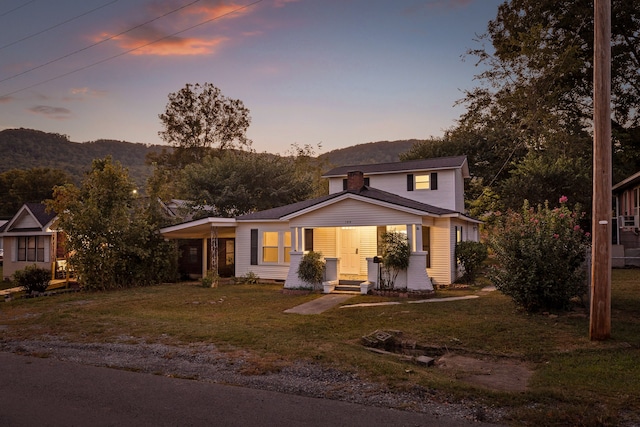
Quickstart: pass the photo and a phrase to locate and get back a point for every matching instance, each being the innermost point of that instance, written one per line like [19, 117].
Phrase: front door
[349, 250]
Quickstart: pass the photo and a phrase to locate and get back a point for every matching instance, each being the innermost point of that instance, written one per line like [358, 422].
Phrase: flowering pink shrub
[540, 256]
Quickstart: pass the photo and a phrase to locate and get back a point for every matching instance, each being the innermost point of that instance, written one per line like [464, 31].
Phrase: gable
[352, 212]
[24, 221]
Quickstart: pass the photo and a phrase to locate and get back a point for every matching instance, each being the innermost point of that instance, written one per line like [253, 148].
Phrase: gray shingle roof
[367, 192]
[39, 211]
[412, 165]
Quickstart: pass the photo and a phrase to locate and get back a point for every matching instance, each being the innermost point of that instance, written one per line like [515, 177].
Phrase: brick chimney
[355, 180]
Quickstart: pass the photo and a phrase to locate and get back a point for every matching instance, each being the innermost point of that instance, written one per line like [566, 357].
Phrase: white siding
[353, 213]
[449, 195]
[243, 251]
[324, 241]
[440, 271]
[368, 246]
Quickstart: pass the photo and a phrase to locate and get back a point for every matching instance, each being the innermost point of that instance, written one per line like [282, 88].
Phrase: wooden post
[600, 320]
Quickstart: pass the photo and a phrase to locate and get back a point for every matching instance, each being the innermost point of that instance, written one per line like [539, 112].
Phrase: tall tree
[114, 244]
[198, 117]
[532, 106]
[538, 80]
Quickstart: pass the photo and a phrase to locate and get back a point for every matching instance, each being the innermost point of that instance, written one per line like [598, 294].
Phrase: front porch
[351, 256]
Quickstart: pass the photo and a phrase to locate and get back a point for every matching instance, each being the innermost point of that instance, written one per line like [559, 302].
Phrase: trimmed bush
[33, 279]
[471, 255]
[540, 256]
[311, 268]
[396, 254]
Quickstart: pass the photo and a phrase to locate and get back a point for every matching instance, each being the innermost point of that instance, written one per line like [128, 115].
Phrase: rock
[425, 360]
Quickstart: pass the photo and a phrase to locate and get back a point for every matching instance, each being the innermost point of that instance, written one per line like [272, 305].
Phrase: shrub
[250, 278]
[471, 255]
[311, 268]
[395, 257]
[33, 279]
[539, 256]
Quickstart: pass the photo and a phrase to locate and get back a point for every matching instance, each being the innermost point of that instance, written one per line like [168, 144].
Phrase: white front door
[349, 250]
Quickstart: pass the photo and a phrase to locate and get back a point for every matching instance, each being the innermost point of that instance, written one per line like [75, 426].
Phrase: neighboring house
[626, 235]
[422, 198]
[30, 239]
[2, 223]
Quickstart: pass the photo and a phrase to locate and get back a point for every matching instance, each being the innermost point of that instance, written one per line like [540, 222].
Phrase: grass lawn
[575, 381]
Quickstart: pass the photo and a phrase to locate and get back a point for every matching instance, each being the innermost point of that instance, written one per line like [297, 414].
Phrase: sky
[325, 73]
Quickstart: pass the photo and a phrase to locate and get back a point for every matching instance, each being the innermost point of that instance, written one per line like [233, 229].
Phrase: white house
[422, 198]
[29, 239]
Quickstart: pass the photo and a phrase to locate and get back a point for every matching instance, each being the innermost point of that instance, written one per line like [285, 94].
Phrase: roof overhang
[198, 229]
[361, 199]
[631, 181]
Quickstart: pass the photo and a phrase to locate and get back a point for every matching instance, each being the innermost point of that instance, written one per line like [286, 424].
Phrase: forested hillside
[28, 148]
[372, 152]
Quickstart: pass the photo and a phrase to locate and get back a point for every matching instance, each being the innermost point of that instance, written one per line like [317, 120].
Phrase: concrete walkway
[324, 303]
[320, 305]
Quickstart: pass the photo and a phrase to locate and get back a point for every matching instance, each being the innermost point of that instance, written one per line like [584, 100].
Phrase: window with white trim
[31, 248]
[276, 247]
[269, 246]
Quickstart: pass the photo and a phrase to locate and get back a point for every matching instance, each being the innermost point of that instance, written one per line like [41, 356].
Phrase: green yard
[575, 381]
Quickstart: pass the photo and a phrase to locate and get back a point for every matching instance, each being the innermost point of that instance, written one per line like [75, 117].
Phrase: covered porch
[351, 255]
[206, 245]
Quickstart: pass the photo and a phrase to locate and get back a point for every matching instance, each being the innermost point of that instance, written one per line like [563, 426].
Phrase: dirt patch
[495, 374]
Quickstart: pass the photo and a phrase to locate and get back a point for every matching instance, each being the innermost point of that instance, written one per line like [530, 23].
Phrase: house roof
[409, 166]
[38, 211]
[629, 182]
[365, 191]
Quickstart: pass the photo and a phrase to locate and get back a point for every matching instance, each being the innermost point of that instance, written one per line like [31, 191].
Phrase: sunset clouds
[340, 72]
[183, 31]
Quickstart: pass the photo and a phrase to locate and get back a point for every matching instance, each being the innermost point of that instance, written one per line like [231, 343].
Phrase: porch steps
[348, 287]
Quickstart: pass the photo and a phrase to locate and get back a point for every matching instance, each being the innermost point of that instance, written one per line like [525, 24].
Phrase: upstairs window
[424, 181]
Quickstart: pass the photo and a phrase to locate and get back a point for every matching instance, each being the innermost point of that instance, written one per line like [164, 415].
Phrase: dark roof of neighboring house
[629, 182]
[39, 211]
[3, 226]
[365, 191]
[412, 165]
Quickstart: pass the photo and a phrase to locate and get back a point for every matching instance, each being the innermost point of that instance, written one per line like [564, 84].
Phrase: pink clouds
[162, 39]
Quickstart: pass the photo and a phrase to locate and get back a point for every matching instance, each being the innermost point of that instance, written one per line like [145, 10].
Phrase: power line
[37, 67]
[135, 48]
[16, 8]
[57, 25]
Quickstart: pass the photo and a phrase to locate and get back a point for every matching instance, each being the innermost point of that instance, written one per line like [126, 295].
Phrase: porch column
[299, 239]
[205, 256]
[419, 238]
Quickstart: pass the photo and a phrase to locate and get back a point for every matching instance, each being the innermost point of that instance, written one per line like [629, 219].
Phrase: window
[422, 182]
[270, 246]
[31, 248]
[286, 256]
[425, 181]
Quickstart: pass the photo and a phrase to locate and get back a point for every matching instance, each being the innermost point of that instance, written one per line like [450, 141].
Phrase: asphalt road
[50, 392]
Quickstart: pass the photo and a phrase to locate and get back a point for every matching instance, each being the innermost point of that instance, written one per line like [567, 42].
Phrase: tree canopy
[198, 117]
[20, 186]
[112, 238]
[235, 183]
[532, 106]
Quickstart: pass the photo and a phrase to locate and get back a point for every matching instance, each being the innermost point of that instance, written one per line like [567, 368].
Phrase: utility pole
[600, 319]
